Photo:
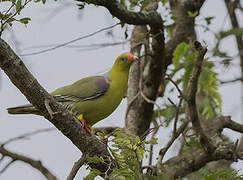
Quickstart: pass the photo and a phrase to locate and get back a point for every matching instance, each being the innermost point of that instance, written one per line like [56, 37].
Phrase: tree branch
[175, 135]
[26, 135]
[231, 81]
[191, 106]
[231, 6]
[196, 158]
[14, 67]
[140, 112]
[126, 16]
[184, 26]
[228, 123]
[35, 164]
[76, 167]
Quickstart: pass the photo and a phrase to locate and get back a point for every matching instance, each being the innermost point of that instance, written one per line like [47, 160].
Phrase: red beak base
[130, 57]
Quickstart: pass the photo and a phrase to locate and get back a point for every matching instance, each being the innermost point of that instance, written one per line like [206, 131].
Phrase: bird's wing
[83, 90]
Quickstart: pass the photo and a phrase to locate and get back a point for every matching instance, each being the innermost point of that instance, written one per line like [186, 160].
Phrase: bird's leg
[84, 124]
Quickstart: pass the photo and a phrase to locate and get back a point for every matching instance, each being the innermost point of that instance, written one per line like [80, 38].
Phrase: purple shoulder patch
[102, 84]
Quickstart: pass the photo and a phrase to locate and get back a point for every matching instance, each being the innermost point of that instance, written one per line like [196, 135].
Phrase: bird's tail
[25, 109]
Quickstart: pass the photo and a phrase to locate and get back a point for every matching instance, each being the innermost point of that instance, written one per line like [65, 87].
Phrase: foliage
[168, 113]
[208, 98]
[93, 173]
[128, 151]
[13, 9]
[216, 51]
[191, 142]
[223, 174]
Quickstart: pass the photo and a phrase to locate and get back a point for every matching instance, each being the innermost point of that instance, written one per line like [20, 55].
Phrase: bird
[93, 98]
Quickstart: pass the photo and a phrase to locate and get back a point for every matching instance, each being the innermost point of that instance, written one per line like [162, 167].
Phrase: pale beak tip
[136, 57]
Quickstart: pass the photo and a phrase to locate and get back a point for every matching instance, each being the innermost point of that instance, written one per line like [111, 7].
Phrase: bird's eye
[122, 59]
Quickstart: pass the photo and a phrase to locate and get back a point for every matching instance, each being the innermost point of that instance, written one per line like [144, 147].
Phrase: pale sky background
[56, 23]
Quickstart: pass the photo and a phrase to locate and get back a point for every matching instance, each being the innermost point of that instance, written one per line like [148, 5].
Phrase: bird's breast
[101, 107]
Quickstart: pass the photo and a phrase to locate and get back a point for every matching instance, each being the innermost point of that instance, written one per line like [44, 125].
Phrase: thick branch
[196, 158]
[126, 16]
[35, 164]
[17, 72]
[184, 29]
[140, 112]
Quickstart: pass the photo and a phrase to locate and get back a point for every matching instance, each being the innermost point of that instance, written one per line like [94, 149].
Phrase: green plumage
[94, 97]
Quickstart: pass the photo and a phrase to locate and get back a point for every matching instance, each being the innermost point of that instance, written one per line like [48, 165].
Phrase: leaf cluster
[10, 14]
[208, 97]
[223, 174]
[128, 151]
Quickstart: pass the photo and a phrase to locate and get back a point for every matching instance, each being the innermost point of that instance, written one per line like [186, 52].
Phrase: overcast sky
[53, 24]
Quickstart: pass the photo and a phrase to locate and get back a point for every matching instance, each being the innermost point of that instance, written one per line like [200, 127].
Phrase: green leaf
[192, 14]
[19, 6]
[209, 19]
[25, 20]
[5, 16]
[95, 160]
[152, 141]
[179, 52]
[43, 1]
[93, 173]
[168, 113]
[123, 3]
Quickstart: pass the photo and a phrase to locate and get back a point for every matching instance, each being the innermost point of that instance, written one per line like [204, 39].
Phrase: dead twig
[27, 135]
[77, 165]
[108, 169]
[34, 163]
[6, 167]
[175, 135]
[152, 137]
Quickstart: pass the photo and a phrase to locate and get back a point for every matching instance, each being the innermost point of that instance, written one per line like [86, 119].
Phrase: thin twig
[148, 131]
[130, 103]
[6, 167]
[231, 81]
[177, 116]
[48, 108]
[109, 168]
[69, 42]
[34, 163]
[145, 97]
[175, 135]
[3, 24]
[77, 165]
[26, 135]
[174, 83]
[152, 137]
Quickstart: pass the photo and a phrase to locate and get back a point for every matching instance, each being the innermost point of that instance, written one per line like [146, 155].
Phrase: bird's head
[124, 61]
